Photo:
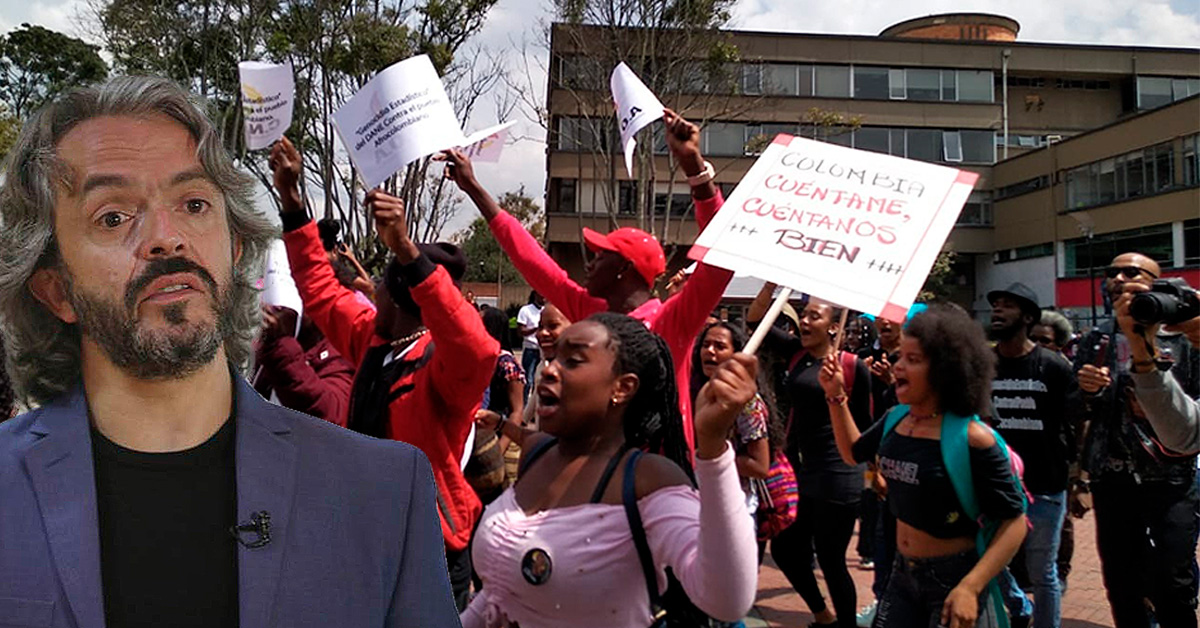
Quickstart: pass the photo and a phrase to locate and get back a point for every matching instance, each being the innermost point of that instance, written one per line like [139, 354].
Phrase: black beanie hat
[442, 254]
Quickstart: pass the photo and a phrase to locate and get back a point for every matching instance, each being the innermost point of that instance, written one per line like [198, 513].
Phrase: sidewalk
[1084, 606]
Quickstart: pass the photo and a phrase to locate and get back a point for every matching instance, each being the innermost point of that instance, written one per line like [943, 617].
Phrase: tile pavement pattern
[1084, 606]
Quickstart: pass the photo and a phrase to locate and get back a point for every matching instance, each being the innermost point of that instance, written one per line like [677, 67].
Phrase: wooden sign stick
[768, 320]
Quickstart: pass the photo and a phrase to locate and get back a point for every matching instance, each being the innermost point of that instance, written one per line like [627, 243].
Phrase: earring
[613, 401]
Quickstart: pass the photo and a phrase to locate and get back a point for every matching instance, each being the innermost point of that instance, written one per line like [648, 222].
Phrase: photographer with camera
[1173, 305]
[1144, 491]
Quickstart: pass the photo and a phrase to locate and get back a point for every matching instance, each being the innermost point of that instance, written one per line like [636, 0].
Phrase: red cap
[635, 245]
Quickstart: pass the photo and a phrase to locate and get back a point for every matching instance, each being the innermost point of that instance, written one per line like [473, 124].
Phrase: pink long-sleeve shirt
[678, 320]
[596, 579]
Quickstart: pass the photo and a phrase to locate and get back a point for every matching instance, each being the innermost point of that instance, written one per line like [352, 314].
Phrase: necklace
[400, 342]
[917, 419]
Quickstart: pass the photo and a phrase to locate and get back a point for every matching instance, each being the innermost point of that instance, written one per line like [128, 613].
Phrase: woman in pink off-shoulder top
[557, 550]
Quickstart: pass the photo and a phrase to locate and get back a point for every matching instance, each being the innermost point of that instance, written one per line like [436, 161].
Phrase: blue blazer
[355, 539]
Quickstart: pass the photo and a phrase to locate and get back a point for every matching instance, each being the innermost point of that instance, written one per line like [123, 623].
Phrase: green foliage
[939, 285]
[37, 63]
[482, 250]
[334, 46]
[10, 128]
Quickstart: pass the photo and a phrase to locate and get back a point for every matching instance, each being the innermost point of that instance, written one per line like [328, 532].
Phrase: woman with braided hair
[557, 548]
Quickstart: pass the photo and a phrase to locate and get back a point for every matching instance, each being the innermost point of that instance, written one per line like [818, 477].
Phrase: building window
[979, 147]
[752, 78]
[565, 195]
[627, 199]
[897, 89]
[832, 81]
[1023, 187]
[952, 149]
[1024, 252]
[1145, 171]
[680, 204]
[1191, 165]
[781, 80]
[975, 86]
[1154, 92]
[1191, 242]
[579, 72]
[871, 82]
[924, 84]
[949, 85]
[1183, 88]
[872, 138]
[1154, 242]
[924, 144]
[977, 211]
[724, 139]
[582, 134]
[897, 142]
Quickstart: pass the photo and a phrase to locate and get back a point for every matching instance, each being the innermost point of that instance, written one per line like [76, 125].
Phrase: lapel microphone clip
[259, 525]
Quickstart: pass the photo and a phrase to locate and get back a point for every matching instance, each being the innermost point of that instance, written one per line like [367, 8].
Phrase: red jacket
[434, 407]
[315, 381]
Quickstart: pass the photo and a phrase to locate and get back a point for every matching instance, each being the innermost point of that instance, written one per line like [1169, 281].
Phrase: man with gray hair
[152, 486]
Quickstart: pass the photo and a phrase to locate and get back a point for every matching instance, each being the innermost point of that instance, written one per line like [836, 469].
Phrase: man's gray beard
[146, 354]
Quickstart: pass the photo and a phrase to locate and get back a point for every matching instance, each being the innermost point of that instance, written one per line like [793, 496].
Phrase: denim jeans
[918, 587]
[1014, 596]
[1041, 557]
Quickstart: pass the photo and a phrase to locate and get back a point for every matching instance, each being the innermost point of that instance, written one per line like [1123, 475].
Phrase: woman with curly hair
[943, 379]
[758, 433]
[557, 548]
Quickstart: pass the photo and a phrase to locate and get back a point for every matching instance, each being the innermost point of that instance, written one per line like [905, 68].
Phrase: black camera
[1171, 301]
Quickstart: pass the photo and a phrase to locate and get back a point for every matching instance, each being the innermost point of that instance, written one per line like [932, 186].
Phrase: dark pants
[1146, 538]
[529, 360]
[459, 566]
[827, 528]
[885, 549]
[868, 517]
[1066, 548]
[917, 589]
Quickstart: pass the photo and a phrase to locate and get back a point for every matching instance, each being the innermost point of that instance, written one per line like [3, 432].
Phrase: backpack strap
[629, 500]
[892, 418]
[956, 456]
[598, 494]
[536, 453]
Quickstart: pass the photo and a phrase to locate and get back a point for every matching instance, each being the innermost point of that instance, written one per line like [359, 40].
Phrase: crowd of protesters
[629, 466]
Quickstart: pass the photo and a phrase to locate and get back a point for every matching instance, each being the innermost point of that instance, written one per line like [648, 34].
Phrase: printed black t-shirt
[1033, 399]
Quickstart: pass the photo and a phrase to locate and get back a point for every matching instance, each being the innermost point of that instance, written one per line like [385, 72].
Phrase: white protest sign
[856, 228]
[636, 106]
[486, 145]
[278, 287]
[268, 93]
[401, 115]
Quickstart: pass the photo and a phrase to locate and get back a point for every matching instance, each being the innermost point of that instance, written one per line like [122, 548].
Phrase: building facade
[1047, 127]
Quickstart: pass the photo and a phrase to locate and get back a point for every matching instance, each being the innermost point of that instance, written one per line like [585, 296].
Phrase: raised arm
[526, 253]
[710, 545]
[466, 354]
[346, 322]
[845, 430]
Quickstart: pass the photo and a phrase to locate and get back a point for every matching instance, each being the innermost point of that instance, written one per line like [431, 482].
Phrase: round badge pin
[536, 566]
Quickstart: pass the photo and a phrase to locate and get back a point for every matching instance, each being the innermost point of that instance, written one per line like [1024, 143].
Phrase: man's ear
[49, 288]
[237, 249]
[624, 388]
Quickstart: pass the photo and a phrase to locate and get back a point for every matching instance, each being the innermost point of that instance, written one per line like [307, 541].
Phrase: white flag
[636, 106]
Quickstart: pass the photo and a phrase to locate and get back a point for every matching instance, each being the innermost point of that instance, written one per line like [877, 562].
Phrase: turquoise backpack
[956, 457]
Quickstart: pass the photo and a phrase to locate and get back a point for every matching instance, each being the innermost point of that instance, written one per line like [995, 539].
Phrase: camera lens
[1149, 308]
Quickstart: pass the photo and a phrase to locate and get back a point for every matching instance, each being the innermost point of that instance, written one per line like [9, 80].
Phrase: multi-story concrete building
[953, 89]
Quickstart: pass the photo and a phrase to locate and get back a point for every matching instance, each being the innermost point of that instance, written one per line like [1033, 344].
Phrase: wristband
[836, 401]
[500, 425]
[705, 175]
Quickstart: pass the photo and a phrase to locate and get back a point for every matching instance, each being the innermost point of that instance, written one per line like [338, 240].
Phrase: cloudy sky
[1140, 22]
